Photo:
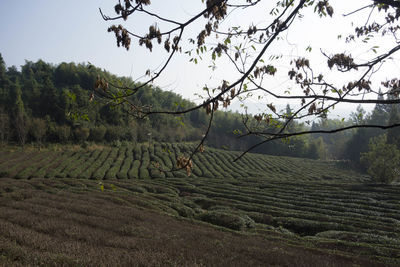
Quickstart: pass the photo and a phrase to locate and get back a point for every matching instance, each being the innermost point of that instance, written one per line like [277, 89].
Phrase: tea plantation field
[317, 212]
[141, 162]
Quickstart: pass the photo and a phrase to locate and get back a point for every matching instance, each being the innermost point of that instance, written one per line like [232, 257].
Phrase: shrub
[85, 144]
[62, 133]
[97, 133]
[38, 129]
[116, 143]
[155, 173]
[114, 133]
[231, 221]
[81, 134]
[130, 134]
[183, 210]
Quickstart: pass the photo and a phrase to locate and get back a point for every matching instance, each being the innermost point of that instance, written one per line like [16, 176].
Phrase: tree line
[48, 103]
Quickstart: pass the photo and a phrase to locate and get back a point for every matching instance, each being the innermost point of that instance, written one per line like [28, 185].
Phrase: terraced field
[141, 161]
[273, 205]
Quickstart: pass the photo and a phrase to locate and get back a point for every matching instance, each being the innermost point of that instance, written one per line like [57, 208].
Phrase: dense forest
[46, 103]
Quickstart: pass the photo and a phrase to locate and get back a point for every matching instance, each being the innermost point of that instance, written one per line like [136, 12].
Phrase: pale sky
[65, 31]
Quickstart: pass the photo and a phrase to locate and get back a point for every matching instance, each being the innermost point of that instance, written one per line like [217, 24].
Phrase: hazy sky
[65, 31]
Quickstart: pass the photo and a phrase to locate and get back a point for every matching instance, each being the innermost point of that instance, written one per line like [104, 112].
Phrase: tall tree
[4, 83]
[393, 135]
[49, 104]
[31, 92]
[20, 120]
[382, 160]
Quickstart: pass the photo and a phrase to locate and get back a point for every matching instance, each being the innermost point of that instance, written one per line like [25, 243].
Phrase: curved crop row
[54, 160]
[116, 165]
[100, 173]
[34, 164]
[126, 164]
[84, 164]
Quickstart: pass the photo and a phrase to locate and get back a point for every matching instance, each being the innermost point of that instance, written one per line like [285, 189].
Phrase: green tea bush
[51, 173]
[137, 152]
[99, 173]
[161, 156]
[35, 166]
[116, 143]
[74, 169]
[169, 174]
[308, 227]
[155, 173]
[110, 163]
[144, 173]
[43, 166]
[112, 172]
[85, 164]
[25, 173]
[99, 167]
[134, 170]
[150, 148]
[127, 161]
[261, 218]
[203, 202]
[116, 165]
[211, 172]
[231, 221]
[197, 171]
[183, 210]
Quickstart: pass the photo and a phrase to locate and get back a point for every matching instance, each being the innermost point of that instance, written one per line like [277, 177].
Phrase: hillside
[294, 206]
[57, 104]
[129, 162]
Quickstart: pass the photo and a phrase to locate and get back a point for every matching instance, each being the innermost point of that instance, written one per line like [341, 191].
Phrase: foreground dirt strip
[94, 228]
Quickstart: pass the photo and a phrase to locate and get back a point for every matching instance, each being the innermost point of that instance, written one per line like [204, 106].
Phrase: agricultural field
[113, 206]
[145, 162]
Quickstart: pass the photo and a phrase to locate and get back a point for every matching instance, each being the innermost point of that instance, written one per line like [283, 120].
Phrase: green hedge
[228, 220]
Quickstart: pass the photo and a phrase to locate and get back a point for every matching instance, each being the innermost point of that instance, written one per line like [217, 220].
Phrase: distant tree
[380, 113]
[317, 149]
[81, 133]
[38, 129]
[49, 100]
[393, 135]
[4, 126]
[358, 117]
[31, 91]
[382, 160]
[357, 144]
[4, 84]
[288, 114]
[97, 133]
[62, 133]
[19, 117]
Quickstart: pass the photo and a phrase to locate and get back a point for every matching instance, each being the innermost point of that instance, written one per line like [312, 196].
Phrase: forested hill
[42, 102]
[51, 103]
